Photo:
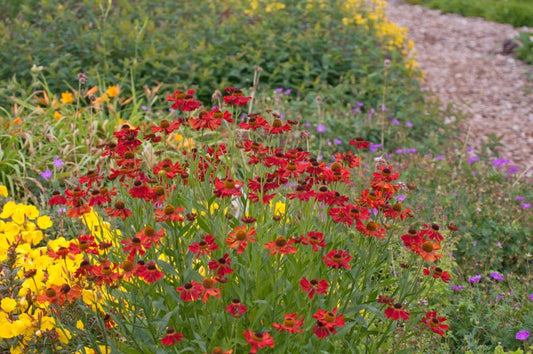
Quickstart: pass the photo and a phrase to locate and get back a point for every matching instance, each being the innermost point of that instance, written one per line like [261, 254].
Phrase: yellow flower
[3, 191]
[112, 91]
[8, 304]
[31, 211]
[66, 97]
[57, 115]
[8, 210]
[44, 222]
[79, 325]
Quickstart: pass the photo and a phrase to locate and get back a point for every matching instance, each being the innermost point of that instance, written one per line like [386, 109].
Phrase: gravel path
[464, 66]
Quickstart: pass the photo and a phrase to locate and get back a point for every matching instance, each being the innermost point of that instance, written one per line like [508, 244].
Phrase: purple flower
[473, 159]
[457, 287]
[279, 90]
[411, 151]
[388, 156]
[474, 173]
[400, 197]
[371, 113]
[511, 170]
[525, 205]
[374, 147]
[287, 91]
[337, 141]
[440, 157]
[58, 163]
[522, 335]
[470, 148]
[384, 108]
[475, 279]
[499, 162]
[496, 276]
[519, 199]
[399, 151]
[321, 128]
[307, 125]
[531, 296]
[144, 108]
[61, 210]
[408, 124]
[499, 244]
[359, 104]
[396, 121]
[46, 174]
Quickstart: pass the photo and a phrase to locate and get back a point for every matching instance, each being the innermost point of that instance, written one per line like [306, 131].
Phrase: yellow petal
[8, 304]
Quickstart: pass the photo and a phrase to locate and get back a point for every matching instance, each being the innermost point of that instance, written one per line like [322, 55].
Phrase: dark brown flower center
[119, 205]
[229, 183]
[50, 292]
[169, 210]
[427, 246]
[281, 241]
[240, 235]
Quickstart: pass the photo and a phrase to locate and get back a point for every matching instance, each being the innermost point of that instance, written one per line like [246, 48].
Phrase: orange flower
[240, 237]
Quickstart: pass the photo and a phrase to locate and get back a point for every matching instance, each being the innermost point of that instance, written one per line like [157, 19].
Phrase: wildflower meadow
[246, 176]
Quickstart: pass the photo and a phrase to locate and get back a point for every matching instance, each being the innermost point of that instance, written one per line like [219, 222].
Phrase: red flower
[240, 237]
[337, 259]
[171, 337]
[108, 322]
[206, 246]
[281, 246]
[149, 237]
[258, 340]
[432, 232]
[85, 244]
[79, 210]
[227, 188]
[191, 291]
[437, 272]
[184, 101]
[426, 249]
[278, 127]
[169, 213]
[330, 320]
[321, 331]
[236, 308]
[383, 299]
[360, 143]
[168, 168]
[315, 239]
[434, 323]
[235, 97]
[290, 324]
[91, 177]
[254, 122]
[166, 126]
[314, 286]
[150, 273]
[396, 312]
[222, 265]
[134, 245]
[382, 180]
[119, 210]
[210, 119]
[210, 289]
[371, 228]
[348, 158]
[57, 199]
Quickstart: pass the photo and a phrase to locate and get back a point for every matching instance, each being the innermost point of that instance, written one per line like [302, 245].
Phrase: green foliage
[515, 12]
[525, 52]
